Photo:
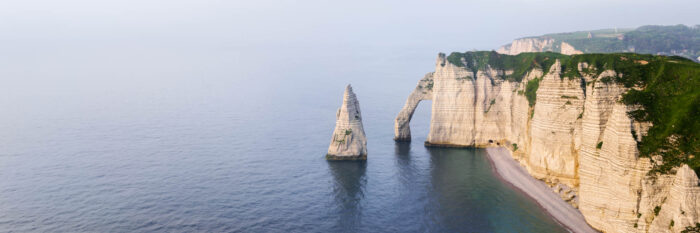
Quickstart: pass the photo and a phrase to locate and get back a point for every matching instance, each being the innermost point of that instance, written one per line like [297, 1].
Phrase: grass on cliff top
[666, 90]
[601, 33]
[651, 39]
[670, 99]
[520, 64]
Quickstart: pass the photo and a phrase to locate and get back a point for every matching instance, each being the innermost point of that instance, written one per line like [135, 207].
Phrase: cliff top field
[666, 90]
[650, 39]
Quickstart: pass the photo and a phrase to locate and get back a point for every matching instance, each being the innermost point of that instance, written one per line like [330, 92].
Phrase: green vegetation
[600, 145]
[671, 225]
[670, 99]
[531, 91]
[665, 91]
[598, 45]
[663, 40]
[346, 132]
[490, 104]
[430, 85]
[692, 229]
[515, 147]
[602, 33]
[520, 64]
[657, 209]
[568, 97]
[567, 102]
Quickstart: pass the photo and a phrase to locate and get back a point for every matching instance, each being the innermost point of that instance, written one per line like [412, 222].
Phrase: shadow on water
[457, 190]
[348, 191]
[403, 154]
[402, 149]
[409, 173]
[466, 197]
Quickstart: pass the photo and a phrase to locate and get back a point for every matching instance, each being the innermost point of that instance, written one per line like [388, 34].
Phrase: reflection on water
[466, 196]
[457, 185]
[204, 158]
[407, 170]
[184, 175]
[348, 190]
[402, 149]
[431, 190]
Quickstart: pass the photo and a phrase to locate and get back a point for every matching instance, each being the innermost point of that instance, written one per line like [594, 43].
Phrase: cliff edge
[612, 134]
[677, 40]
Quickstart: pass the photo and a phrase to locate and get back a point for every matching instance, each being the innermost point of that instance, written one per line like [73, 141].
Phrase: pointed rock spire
[348, 141]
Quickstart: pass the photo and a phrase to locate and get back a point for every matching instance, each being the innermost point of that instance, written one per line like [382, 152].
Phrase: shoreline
[509, 170]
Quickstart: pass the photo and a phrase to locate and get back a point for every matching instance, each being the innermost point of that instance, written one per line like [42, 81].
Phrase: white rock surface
[682, 206]
[423, 91]
[348, 141]
[568, 49]
[525, 45]
[552, 128]
[528, 45]
[558, 141]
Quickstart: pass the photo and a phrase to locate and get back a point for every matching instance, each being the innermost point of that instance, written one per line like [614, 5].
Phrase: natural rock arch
[423, 91]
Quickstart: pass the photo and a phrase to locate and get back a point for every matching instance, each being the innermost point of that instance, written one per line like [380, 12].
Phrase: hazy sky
[113, 46]
[438, 24]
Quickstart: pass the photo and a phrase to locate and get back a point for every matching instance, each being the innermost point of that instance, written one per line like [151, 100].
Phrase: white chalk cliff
[535, 44]
[348, 141]
[423, 91]
[577, 138]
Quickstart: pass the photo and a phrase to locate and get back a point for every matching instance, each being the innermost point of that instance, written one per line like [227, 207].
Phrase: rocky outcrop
[577, 137]
[678, 40]
[423, 91]
[682, 206]
[566, 48]
[525, 45]
[552, 151]
[537, 44]
[348, 141]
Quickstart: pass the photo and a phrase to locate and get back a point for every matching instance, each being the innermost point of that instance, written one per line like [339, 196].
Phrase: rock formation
[678, 40]
[537, 44]
[577, 137]
[682, 206]
[348, 141]
[423, 91]
[525, 45]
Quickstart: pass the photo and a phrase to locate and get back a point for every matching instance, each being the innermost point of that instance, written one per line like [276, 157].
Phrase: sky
[117, 47]
[439, 24]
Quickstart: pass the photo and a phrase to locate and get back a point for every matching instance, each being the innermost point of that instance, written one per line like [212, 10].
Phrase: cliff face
[528, 45]
[678, 40]
[525, 45]
[348, 141]
[423, 91]
[577, 136]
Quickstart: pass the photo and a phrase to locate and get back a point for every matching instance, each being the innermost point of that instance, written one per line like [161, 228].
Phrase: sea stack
[348, 141]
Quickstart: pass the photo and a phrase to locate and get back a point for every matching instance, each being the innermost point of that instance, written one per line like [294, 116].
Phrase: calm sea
[228, 141]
